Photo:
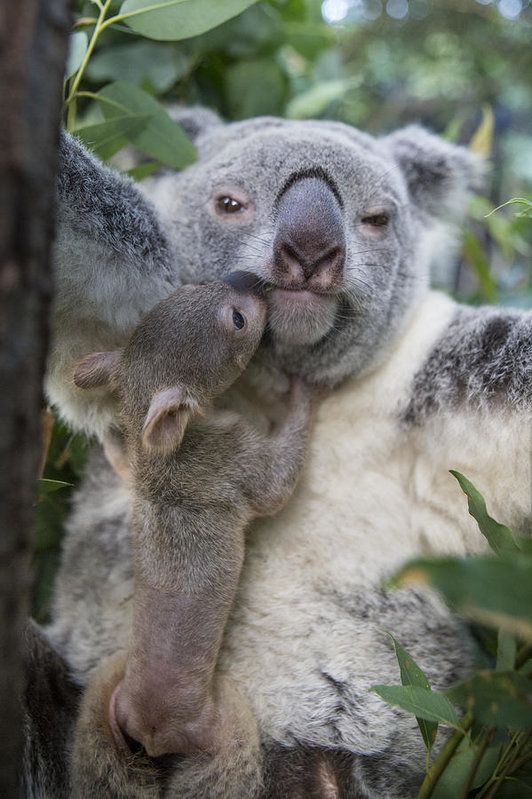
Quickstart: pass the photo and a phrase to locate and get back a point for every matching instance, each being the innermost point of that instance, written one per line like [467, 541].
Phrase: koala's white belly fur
[374, 493]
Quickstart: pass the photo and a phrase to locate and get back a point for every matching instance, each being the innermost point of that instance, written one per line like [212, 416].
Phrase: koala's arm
[278, 458]
[482, 361]
[110, 245]
[112, 262]
[470, 406]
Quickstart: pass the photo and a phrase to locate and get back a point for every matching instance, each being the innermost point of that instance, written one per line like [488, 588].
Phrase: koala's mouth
[300, 316]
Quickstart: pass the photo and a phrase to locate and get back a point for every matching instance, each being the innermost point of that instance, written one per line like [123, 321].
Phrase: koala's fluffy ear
[195, 120]
[98, 369]
[439, 175]
[167, 418]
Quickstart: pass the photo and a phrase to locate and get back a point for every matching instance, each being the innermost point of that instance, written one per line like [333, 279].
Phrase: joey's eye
[376, 220]
[228, 205]
[238, 319]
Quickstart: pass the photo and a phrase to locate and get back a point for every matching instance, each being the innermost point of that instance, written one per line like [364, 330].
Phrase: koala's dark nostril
[245, 283]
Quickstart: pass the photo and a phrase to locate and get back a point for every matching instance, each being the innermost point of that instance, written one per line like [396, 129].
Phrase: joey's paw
[300, 393]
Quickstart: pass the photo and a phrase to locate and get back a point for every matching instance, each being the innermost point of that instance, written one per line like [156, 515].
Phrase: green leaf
[475, 256]
[77, 47]
[159, 65]
[457, 771]
[411, 674]
[493, 591]
[501, 699]
[143, 170]
[173, 20]
[506, 651]
[47, 486]
[499, 537]
[241, 81]
[422, 702]
[160, 137]
[107, 138]
[315, 101]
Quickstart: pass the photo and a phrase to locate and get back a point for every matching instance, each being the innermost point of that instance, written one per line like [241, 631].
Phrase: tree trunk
[33, 42]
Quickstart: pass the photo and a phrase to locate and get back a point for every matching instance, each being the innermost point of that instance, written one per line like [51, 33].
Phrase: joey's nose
[245, 283]
[309, 246]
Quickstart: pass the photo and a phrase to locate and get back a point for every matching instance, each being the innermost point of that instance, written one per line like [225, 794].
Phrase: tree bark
[33, 43]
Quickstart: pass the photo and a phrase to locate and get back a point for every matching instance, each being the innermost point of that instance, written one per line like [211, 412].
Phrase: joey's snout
[309, 246]
[246, 283]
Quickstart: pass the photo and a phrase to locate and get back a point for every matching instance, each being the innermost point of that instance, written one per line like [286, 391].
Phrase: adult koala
[341, 226]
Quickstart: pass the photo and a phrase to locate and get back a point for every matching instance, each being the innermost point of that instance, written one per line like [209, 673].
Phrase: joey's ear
[439, 175]
[167, 418]
[195, 120]
[98, 369]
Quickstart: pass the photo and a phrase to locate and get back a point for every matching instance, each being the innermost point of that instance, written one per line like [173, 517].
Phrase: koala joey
[198, 478]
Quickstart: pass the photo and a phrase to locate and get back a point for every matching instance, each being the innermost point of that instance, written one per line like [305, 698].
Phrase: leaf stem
[76, 80]
[445, 755]
[82, 21]
[487, 739]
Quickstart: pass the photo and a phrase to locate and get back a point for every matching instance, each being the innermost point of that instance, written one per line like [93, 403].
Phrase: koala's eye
[239, 319]
[228, 205]
[376, 220]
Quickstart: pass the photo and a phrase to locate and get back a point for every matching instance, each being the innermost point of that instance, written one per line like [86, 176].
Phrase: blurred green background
[461, 67]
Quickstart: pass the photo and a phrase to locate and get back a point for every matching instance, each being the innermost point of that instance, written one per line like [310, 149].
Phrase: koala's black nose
[245, 283]
[309, 246]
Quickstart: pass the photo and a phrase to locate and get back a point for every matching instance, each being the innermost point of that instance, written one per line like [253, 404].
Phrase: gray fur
[51, 701]
[483, 359]
[331, 646]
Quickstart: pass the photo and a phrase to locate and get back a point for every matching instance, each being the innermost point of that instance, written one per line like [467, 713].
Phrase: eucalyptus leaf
[159, 65]
[315, 101]
[411, 674]
[473, 253]
[77, 47]
[143, 170]
[494, 591]
[107, 138]
[506, 651]
[422, 702]
[161, 137]
[457, 771]
[241, 82]
[499, 537]
[173, 20]
[501, 699]
[47, 486]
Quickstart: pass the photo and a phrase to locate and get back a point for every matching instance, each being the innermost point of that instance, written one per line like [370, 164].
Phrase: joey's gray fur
[419, 387]
[198, 478]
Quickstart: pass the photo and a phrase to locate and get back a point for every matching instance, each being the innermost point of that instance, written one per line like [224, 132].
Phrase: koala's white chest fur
[376, 491]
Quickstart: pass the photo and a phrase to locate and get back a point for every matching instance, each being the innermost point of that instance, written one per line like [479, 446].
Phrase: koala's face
[200, 338]
[330, 219]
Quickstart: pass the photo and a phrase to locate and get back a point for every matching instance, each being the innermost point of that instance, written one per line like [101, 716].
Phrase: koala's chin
[300, 317]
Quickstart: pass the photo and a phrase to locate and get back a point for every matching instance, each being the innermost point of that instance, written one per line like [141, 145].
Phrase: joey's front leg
[186, 574]
[281, 455]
